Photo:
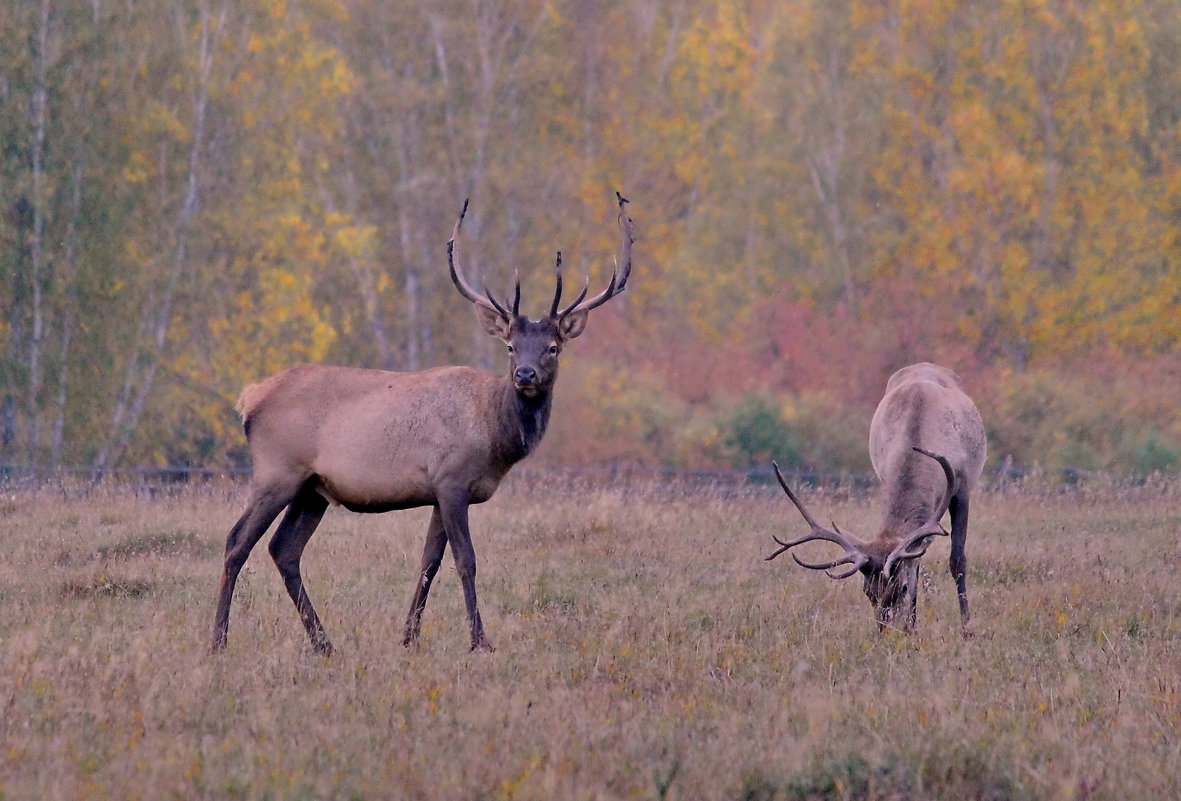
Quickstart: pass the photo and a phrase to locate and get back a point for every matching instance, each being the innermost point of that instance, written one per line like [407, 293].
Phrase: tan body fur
[377, 439]
[925, 406]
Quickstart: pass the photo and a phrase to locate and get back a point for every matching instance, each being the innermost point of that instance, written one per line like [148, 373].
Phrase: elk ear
[573, 324]
[492, 322]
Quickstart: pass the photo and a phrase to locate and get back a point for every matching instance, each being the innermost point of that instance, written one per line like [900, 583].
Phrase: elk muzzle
[525, 381]
[888, 593]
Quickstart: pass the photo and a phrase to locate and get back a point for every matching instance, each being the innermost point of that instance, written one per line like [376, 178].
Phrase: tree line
[197, 193]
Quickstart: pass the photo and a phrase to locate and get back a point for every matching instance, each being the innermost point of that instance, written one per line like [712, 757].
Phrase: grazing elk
[374, 441]
[927, 446]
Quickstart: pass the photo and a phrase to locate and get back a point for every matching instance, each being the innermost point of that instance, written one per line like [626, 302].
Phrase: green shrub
[1150, 452]
[756, 433]
[1082, 421]
[833, 437]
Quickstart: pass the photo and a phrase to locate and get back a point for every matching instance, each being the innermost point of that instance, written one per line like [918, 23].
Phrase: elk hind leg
[265, 505]
[432, 557]
[958, 561]
[286, 549]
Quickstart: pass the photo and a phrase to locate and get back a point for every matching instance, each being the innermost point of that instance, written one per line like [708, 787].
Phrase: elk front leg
[912, 596]
[432, 557]
[455, 522]
[286, 549]
[958, 562]
[264, 507]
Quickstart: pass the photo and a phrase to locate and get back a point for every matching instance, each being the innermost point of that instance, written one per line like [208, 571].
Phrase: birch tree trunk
[37, 245]
[141, 369]
[69, 316]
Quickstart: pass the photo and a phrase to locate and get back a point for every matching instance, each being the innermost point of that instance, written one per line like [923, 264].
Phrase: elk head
[534, 345]
[888, 564]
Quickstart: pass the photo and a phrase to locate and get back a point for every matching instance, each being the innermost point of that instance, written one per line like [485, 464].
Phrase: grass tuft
[103, 586]
[895, 778]
[183, 543]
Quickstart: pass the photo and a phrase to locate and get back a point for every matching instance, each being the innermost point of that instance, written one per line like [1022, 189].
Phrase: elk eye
[553, 349]
[511, 349]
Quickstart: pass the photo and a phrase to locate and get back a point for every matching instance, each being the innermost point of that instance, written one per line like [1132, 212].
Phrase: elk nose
[525, 375]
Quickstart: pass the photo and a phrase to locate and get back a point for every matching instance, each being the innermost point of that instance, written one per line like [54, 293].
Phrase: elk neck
[911, 496]
[522, 420]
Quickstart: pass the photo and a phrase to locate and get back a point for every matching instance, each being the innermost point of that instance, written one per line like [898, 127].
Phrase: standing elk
[927, 445]
[375, 441]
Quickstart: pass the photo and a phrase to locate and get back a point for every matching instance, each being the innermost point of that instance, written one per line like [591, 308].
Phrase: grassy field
[644, 651]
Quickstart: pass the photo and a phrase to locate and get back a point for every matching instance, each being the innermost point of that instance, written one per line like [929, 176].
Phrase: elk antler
[912, 545]
[553, 309]
[485, 300]
[854, 550]
[619, 275]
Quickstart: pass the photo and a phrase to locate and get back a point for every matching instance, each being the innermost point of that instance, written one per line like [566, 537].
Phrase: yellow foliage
[1009, 170]
[981, 182]
[356, 240]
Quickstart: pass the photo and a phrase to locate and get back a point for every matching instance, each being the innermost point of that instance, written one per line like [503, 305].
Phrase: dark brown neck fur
[522, 422]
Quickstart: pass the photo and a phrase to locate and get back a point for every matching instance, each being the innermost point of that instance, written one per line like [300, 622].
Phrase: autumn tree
[202, 193]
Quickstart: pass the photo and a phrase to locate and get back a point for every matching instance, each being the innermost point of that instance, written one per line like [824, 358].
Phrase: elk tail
[249, 401]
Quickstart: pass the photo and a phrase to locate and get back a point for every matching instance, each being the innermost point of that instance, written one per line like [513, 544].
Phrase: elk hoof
[482, 645]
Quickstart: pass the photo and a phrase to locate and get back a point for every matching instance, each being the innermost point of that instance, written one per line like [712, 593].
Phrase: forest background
[197, 193]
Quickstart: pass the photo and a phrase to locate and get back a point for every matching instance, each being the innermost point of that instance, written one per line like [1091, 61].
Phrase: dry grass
[644, 651]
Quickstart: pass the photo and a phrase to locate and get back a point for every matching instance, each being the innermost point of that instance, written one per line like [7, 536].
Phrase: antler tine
[453, 264]
[854, 551]
[845, 560]
[517, 293]
[921, 548]
[783, 547]
[459, 220]
[453, 258]
[619, 275]
[577, 300]
[931, 527]
[496, 304]
[857, 563]
[817, 534]
[852, 571]
[792, 496]
[625, 249]
[949, 474]
[598, 300]
[553, 309]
